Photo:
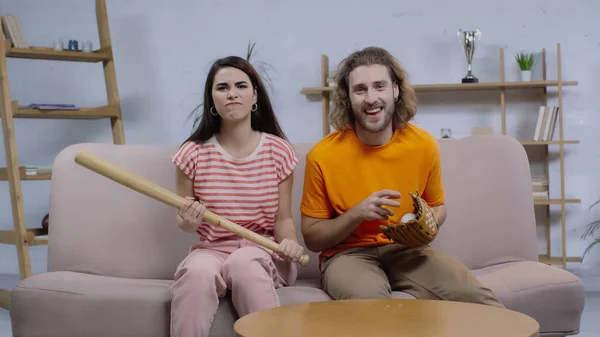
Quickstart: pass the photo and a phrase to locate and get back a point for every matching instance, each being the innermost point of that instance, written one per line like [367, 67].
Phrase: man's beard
[362, 119]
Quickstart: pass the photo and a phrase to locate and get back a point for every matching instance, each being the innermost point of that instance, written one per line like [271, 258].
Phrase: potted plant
[525, 61]
[261, 67]
[590, 230]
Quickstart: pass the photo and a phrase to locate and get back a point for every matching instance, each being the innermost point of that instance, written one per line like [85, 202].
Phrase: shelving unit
[326, 93]
[21, 236]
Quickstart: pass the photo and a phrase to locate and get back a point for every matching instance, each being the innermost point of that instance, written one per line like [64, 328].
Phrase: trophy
[468, 39]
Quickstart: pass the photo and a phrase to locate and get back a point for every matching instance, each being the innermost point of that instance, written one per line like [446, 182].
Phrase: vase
[526, 75]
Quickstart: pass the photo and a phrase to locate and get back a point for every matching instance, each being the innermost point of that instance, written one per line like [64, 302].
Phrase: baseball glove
[419, 230]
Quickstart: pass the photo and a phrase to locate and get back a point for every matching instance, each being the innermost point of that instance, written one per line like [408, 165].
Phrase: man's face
[372, 93]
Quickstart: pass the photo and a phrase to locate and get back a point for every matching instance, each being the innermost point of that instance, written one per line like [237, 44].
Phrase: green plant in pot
[525, 62]
[590, 230]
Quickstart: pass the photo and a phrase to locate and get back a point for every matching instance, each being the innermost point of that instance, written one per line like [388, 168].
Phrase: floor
[590, 324]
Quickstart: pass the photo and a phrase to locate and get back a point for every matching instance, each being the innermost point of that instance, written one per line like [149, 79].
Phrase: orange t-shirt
[341, 172]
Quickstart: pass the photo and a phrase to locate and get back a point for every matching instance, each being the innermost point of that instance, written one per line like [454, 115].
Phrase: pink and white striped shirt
[245, 190]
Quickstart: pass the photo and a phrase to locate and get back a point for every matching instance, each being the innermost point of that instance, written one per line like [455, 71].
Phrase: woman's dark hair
[263, 119]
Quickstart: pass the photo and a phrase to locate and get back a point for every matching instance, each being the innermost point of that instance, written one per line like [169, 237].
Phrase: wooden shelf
[35, 237]
[460, 86]
[556, 202]
[106, 111]
[24, 175]
[552, 142]
[10, 109]
[316, 90]
[41, 53]
[4, 298]
[545, 259]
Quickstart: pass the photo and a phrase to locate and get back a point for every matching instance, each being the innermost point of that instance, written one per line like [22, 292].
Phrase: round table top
[386, 317]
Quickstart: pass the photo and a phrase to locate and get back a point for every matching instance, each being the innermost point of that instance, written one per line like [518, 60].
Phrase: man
[359, 178]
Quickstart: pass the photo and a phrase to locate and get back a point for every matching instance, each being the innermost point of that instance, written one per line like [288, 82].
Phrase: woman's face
[233, 94]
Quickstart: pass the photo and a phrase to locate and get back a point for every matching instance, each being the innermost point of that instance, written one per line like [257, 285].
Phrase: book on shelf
[540, 195]
[35, 170]
[40, 106]
[539, 181]
[546, 123]
[12, 31]
[539, 189]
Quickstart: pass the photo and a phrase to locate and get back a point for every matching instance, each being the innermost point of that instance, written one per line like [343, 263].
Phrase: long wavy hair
[263, 119]
[341, 116]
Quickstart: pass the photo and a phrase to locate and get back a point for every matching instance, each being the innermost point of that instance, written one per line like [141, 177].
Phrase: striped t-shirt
[245, 190]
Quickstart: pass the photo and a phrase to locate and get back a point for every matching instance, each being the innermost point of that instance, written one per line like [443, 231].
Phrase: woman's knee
[200, 269]
[246, 260]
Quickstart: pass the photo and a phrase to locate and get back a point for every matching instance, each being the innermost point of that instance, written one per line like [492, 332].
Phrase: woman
[239, 165]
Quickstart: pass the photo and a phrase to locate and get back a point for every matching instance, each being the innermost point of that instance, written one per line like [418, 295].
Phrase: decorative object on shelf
[446, 133]
[86, 46]
[482, 131]
[525, 61]
[590, 230]
[45, 224]
[331, 78]
[468, 40]
[73, 45]
[59, 45]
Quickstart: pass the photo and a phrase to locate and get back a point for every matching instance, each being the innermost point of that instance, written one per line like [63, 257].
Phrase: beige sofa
[112, 251]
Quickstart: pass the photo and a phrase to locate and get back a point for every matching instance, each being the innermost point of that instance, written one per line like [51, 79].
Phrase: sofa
[112, 251]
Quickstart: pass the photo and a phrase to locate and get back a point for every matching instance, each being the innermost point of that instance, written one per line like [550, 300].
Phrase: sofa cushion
[491, 218]
[76, 304]
[310, 290]
[552, 296]
[89, 213]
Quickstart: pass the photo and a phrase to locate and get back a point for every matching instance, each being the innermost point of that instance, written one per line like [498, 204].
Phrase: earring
[254, 107]
[211, 111]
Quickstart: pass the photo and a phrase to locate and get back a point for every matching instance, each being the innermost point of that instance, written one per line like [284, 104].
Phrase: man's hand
[321, 234]
[371, 208]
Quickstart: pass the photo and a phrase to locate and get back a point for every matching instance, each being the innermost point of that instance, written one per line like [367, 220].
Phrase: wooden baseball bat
[146, 187]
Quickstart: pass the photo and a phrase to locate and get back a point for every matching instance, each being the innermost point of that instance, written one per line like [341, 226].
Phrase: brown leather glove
[419, 231]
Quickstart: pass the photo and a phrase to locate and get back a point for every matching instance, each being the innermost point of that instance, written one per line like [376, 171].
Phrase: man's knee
[473, 292]
[350, 277]
[460, 282]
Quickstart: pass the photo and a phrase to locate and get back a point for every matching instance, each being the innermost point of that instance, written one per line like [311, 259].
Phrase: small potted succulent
[525, 61]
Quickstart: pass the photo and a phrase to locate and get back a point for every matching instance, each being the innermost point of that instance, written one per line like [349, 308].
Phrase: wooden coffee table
[386, 317]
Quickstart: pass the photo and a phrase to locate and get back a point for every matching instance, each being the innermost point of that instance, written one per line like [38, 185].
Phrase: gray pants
[425, 273]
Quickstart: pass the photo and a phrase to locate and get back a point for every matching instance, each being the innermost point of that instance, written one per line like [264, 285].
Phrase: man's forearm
[439, 212]
[324, 234]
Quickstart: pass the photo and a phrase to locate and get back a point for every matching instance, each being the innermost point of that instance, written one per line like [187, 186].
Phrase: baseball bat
[152, 190]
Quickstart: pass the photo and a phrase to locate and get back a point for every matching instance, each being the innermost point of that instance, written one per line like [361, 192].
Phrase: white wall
[163, 52]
